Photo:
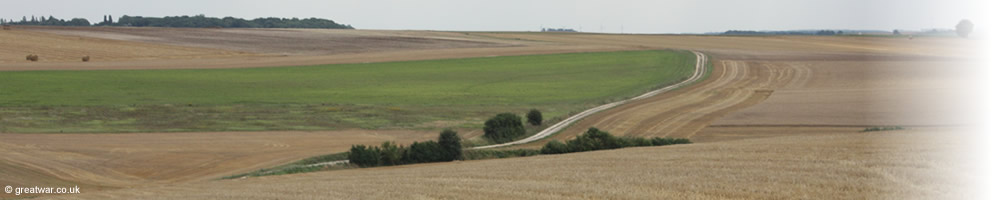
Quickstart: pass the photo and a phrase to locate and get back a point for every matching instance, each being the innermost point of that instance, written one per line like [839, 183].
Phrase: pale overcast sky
[636, 16]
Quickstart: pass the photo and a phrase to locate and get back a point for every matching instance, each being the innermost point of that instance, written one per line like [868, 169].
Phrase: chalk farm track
[777, 118]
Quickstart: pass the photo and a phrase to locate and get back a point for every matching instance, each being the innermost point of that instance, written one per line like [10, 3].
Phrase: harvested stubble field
[909, 164]
[98, 162]
[794, 81]
[777, 119]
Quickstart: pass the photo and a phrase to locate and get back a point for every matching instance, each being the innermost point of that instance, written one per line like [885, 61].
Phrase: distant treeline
[820, 32]
[51, 21]
[197, 21]
[558, 30]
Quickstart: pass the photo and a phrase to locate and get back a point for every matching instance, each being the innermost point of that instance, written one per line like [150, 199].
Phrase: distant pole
[623, 28]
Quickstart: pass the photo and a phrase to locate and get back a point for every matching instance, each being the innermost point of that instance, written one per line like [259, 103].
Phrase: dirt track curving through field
[699, 71]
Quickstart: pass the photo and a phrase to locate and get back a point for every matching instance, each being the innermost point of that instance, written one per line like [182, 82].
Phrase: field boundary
[555, 128]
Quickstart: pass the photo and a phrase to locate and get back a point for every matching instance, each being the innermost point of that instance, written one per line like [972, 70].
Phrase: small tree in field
[451, 144]
[503, 128]
[535, 117]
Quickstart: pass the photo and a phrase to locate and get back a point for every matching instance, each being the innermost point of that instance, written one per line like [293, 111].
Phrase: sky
[611, 16]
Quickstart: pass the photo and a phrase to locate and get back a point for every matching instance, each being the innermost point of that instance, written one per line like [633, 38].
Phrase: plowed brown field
[61, 48]
[54, 48]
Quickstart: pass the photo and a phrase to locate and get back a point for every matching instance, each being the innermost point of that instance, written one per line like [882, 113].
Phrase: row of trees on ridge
[197, 21]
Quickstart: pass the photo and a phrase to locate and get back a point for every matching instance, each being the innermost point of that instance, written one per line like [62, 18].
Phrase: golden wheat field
[909, 164]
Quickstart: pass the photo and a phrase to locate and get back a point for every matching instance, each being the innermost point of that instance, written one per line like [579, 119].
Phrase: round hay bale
[86, 58]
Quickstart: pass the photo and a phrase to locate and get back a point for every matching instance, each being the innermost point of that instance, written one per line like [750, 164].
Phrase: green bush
[595, 139]
[363, 156]
[492, 154]
[423, 152]
[534, 117]
[504, 127]
[447, 148]
[658, 141]
[635, 142]
[555, 147]
[391, 154]
[451, 145]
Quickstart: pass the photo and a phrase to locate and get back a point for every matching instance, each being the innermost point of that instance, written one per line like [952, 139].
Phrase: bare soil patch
[53, 48]
[279, 61]
[283, 41]
[61, 48]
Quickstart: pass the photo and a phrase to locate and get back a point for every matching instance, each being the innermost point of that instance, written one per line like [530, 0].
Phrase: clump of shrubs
[595, 139]
[534, 117]
[493, 154]
[503, 127]
[447, 148]
[364, 156]
[31, 57]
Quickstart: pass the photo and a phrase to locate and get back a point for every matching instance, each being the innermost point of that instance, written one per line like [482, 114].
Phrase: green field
[413, 94]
